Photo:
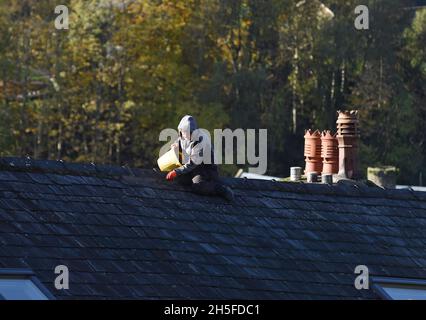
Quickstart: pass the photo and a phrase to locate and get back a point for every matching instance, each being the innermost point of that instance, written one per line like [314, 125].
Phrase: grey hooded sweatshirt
[196, 151]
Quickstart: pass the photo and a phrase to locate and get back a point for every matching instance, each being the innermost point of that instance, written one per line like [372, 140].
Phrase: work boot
[226, 192]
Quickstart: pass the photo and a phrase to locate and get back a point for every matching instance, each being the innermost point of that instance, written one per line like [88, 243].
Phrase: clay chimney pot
[329, 153]
[313, 151]
[348, 140]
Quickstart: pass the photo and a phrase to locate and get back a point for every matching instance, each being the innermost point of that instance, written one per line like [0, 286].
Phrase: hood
[187, 125]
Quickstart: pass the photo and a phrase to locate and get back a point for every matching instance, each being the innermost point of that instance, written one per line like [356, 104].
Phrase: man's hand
[174, 146]
[171, 175]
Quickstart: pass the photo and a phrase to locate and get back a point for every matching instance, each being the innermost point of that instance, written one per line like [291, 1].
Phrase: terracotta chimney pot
[329, 153]
[313, 151]
[348, 139]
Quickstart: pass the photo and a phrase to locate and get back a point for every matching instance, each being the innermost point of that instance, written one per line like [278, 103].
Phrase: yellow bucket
[169, 161]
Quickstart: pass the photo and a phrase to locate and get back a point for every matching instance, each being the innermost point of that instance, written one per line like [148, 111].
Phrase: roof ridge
[27, 164]
[346, 189]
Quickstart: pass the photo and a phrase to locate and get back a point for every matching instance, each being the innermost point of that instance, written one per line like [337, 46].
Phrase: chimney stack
[329, 153]
[348, 139]
[313, 151]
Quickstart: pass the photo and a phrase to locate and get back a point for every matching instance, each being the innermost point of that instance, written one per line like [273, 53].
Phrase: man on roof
[197, 155]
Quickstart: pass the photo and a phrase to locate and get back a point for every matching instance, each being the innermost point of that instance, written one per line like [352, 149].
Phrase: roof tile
[127, 233]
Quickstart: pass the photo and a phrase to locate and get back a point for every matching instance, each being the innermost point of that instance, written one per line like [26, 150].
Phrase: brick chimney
[313, 151]
[329, 153]
[348, 139]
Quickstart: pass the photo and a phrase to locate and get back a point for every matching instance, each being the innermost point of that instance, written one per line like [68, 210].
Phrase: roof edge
[346, 188]
[67, 168]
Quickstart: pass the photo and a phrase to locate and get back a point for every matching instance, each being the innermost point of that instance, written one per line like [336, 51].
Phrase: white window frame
[378, 282]
[25, 274]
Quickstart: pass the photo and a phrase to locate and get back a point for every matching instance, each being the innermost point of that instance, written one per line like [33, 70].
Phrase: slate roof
[127, 233]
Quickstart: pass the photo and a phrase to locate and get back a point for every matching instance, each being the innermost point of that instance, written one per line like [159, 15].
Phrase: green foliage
[128, 69]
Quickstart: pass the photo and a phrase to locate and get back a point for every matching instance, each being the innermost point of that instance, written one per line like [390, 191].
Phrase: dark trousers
[204, 180]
